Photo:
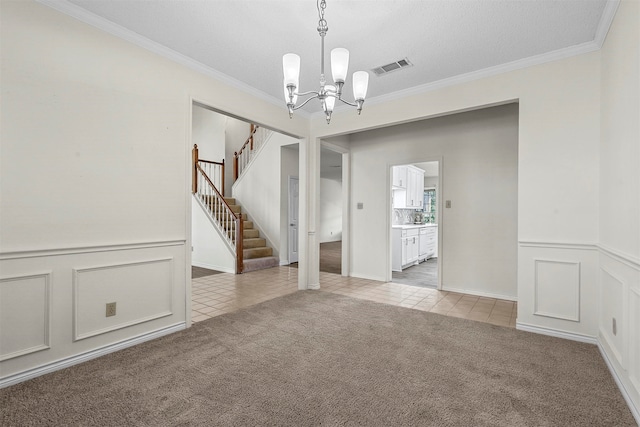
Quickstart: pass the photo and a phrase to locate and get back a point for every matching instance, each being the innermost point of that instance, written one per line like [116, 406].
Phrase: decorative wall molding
[604, 334]
[634, 335]
[77, 285]
[627, 259]
[606, 20]
[574, 313]
[581, 246]
[34, 253]
[46, 344]
[83, 357]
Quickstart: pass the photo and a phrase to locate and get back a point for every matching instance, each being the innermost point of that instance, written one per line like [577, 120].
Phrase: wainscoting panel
[557, 289]
[55, 299]
[612, 291]
[24, 314]
[634, 335]
[142, 291]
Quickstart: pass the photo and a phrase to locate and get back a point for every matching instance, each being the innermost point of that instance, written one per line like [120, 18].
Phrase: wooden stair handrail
[237, 154]
[194, 175]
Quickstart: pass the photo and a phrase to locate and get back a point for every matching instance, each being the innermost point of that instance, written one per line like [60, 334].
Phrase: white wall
[258, 190]
[558, 152]
[236, 134]
[330, 210]
[619, 272]
[208, 132]
[95, 187]
[209, 248]
[479, 154]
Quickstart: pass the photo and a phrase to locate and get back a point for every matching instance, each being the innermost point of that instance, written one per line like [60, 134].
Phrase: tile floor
[223, 293]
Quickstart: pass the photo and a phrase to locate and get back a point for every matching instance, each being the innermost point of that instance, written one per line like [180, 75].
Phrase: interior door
[293, 219]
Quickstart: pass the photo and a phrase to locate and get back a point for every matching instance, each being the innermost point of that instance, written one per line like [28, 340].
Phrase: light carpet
[315, 358]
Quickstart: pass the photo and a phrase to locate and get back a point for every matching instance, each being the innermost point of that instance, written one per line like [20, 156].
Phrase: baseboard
[212, 267]
[479, 293]
[80, 358]
[367, 277]
[556, 333]
[635, 411]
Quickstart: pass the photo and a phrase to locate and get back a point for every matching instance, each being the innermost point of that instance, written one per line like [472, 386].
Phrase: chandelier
[327, 93]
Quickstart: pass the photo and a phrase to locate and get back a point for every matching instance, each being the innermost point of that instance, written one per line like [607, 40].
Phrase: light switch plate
[447, 204]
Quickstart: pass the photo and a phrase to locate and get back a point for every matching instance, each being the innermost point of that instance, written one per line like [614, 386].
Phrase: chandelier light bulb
[360, 85]
[330, 101]
[291, 69]
[339, 64]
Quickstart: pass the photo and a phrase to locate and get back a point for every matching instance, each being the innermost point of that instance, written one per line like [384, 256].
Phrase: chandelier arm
[315, 93]
[305, 102]
[353, 104]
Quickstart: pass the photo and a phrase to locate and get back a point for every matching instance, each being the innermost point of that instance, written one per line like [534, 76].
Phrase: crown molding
[606, 20]
[119, 31]
[96, 21]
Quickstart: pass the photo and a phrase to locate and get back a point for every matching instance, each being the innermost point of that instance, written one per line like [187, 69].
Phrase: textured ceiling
[245, 40]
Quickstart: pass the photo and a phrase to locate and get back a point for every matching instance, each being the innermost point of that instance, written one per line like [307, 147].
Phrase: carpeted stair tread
[254, 264]
[257, 253]
[254, 243]
[250, 233]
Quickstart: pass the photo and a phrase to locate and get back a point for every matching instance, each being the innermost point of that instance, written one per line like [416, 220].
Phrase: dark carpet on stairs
[314, 358]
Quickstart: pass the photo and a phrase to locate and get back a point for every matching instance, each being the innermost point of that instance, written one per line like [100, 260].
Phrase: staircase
[255, 252]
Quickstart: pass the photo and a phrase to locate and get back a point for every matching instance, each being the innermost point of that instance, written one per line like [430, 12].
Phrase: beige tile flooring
[223, 293]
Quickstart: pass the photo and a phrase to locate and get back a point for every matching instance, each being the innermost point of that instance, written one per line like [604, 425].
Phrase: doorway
[294, 203]
[415, 231]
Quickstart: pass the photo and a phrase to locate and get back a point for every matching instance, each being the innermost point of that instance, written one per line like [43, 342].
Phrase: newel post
[222, 189]
[194, 171]
[235, 165]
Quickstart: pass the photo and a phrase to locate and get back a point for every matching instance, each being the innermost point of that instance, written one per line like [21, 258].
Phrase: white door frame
[346, 202]
[439, 159]
[293, 221]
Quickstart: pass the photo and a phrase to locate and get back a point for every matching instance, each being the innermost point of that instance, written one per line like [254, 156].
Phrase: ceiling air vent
[385, 69]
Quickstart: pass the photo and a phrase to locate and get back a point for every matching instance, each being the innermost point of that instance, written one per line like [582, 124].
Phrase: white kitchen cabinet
[408, 187]
[405, 247]
[399, 174]
[428, 242]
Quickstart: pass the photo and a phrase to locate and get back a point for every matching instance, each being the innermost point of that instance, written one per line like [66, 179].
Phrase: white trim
[555, 55]
[103, 24]
[34, 253]
[479, 293]
[556, 333]
[46, 344]
[581, 246]
[367, 277]
[536, 310]
[635, 411]
[627, 259]
[83, 357]
[606, 20]
[212, 267]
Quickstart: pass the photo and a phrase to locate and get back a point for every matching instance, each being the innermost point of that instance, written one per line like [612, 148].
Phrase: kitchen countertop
[409, 226]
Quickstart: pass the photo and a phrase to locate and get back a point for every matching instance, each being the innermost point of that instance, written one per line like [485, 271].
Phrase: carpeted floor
[315, 358]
